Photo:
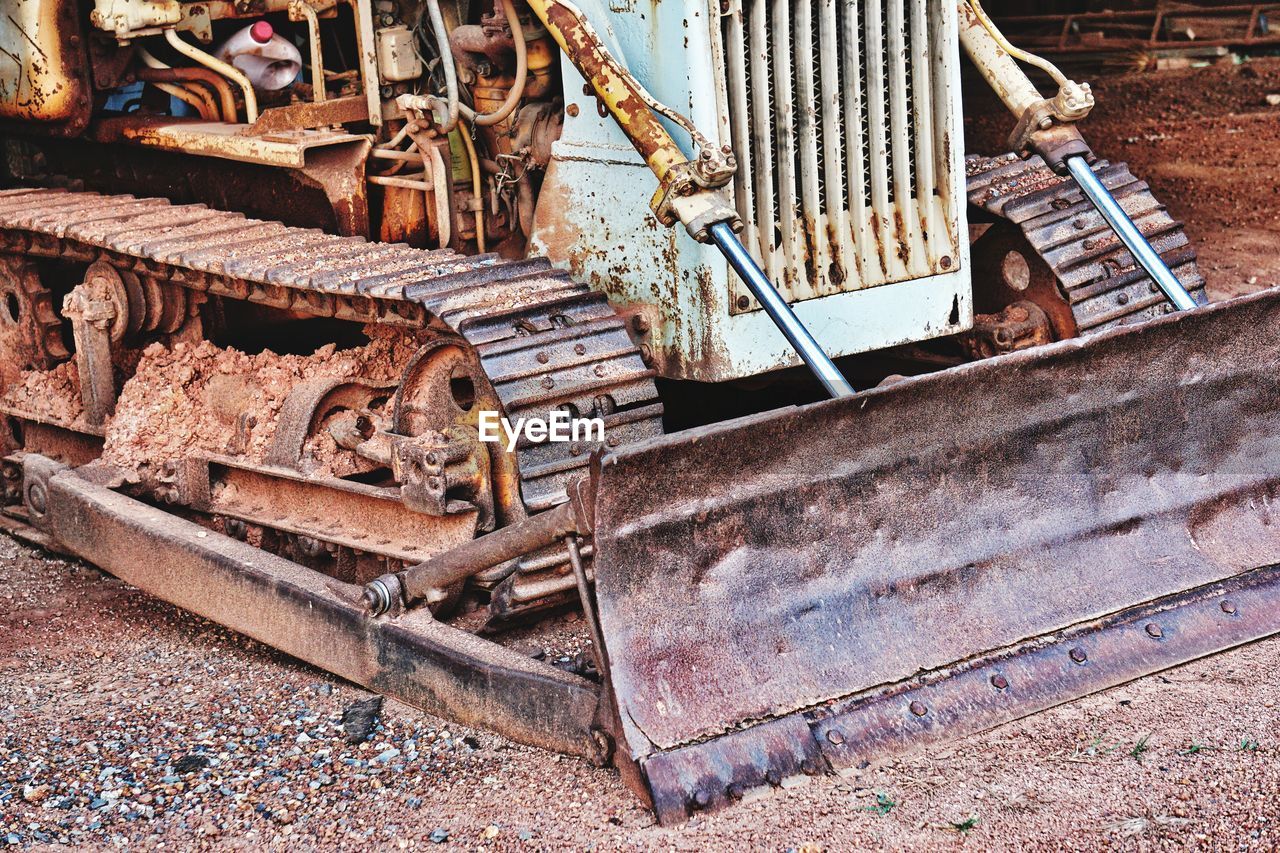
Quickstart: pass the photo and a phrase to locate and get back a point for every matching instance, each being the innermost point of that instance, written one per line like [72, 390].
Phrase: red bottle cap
[261, 32]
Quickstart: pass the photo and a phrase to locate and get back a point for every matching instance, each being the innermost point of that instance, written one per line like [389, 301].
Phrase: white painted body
[594, 218]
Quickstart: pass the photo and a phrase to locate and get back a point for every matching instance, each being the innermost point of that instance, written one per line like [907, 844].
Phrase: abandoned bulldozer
[386, 331]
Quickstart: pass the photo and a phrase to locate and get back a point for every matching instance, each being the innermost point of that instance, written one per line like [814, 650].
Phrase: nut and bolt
[744, 302]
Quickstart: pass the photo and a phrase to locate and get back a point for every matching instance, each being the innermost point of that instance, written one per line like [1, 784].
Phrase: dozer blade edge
[813, 588]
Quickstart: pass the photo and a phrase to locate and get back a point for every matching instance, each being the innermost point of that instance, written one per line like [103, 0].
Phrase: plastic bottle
[266, 58]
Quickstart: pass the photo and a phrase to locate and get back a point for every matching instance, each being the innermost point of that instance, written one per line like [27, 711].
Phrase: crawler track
[545, 342]
[1099, 277]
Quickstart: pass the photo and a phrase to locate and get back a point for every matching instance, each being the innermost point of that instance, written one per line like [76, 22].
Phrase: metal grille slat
[841, 112]
[811, 250]
[784, 136]
[738, 67]
[761, 124]
[837, 235]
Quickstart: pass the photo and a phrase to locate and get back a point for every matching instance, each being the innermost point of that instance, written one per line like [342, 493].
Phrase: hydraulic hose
[452, 101]
[522, 74]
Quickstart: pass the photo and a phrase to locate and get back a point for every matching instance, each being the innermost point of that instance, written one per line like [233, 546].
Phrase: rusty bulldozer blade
[813, 588]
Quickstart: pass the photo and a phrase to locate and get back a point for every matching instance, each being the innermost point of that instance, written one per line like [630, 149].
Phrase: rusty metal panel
[44, 80]
[942, 705]
[769, 565]
[414, 658]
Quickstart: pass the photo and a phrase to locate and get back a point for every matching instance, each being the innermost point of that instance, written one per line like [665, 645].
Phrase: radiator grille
[840, 113]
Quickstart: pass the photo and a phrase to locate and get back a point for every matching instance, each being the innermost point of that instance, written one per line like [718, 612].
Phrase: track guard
[816, 587]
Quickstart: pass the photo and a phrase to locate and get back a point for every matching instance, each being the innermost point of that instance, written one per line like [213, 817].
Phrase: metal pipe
[522, 75]
[440, 572]
[452, 100]
[1142, 251]
[779, 311]
[226, 97]
[477, 185]
[195, 53]
[202, 105]
[315, 50]
[588, 606]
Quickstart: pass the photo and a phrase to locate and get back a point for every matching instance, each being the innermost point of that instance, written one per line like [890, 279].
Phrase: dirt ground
[126, 722]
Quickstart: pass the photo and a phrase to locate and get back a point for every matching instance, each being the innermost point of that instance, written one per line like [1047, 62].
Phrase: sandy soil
[127, 722]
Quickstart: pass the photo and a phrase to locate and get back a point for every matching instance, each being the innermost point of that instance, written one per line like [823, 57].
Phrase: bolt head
[999, 682]
[38, 498]
[1228, 607]
[918, 709]
[835, 736]
[1078, 655]
[1154, 630]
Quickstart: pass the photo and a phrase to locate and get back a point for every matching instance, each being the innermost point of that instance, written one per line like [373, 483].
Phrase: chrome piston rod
[1142, 251]
[780, 312]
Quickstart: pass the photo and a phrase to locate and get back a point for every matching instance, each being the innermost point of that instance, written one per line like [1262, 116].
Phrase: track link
[544, 341]
[1103, 284]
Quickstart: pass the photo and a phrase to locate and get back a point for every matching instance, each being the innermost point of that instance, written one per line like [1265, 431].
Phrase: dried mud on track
[125, 721]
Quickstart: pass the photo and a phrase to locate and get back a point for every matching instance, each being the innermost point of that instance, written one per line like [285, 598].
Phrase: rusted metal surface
[1239, 25]
[420, 661]
[44, 78]
[544, 342]
[1097, 276]
[30, 331]
[774, 564]
[617, 90]
[938, 706]
[311, 115]
[351, 515]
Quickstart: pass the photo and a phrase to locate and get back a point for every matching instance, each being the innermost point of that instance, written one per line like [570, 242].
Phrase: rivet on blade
[1229, 607]
[1077, 654]
[999, 682]
[919, 709]
[1154, 630]
[835, 736]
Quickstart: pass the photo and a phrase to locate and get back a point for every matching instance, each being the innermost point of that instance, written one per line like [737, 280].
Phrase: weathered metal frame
[412, 657]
